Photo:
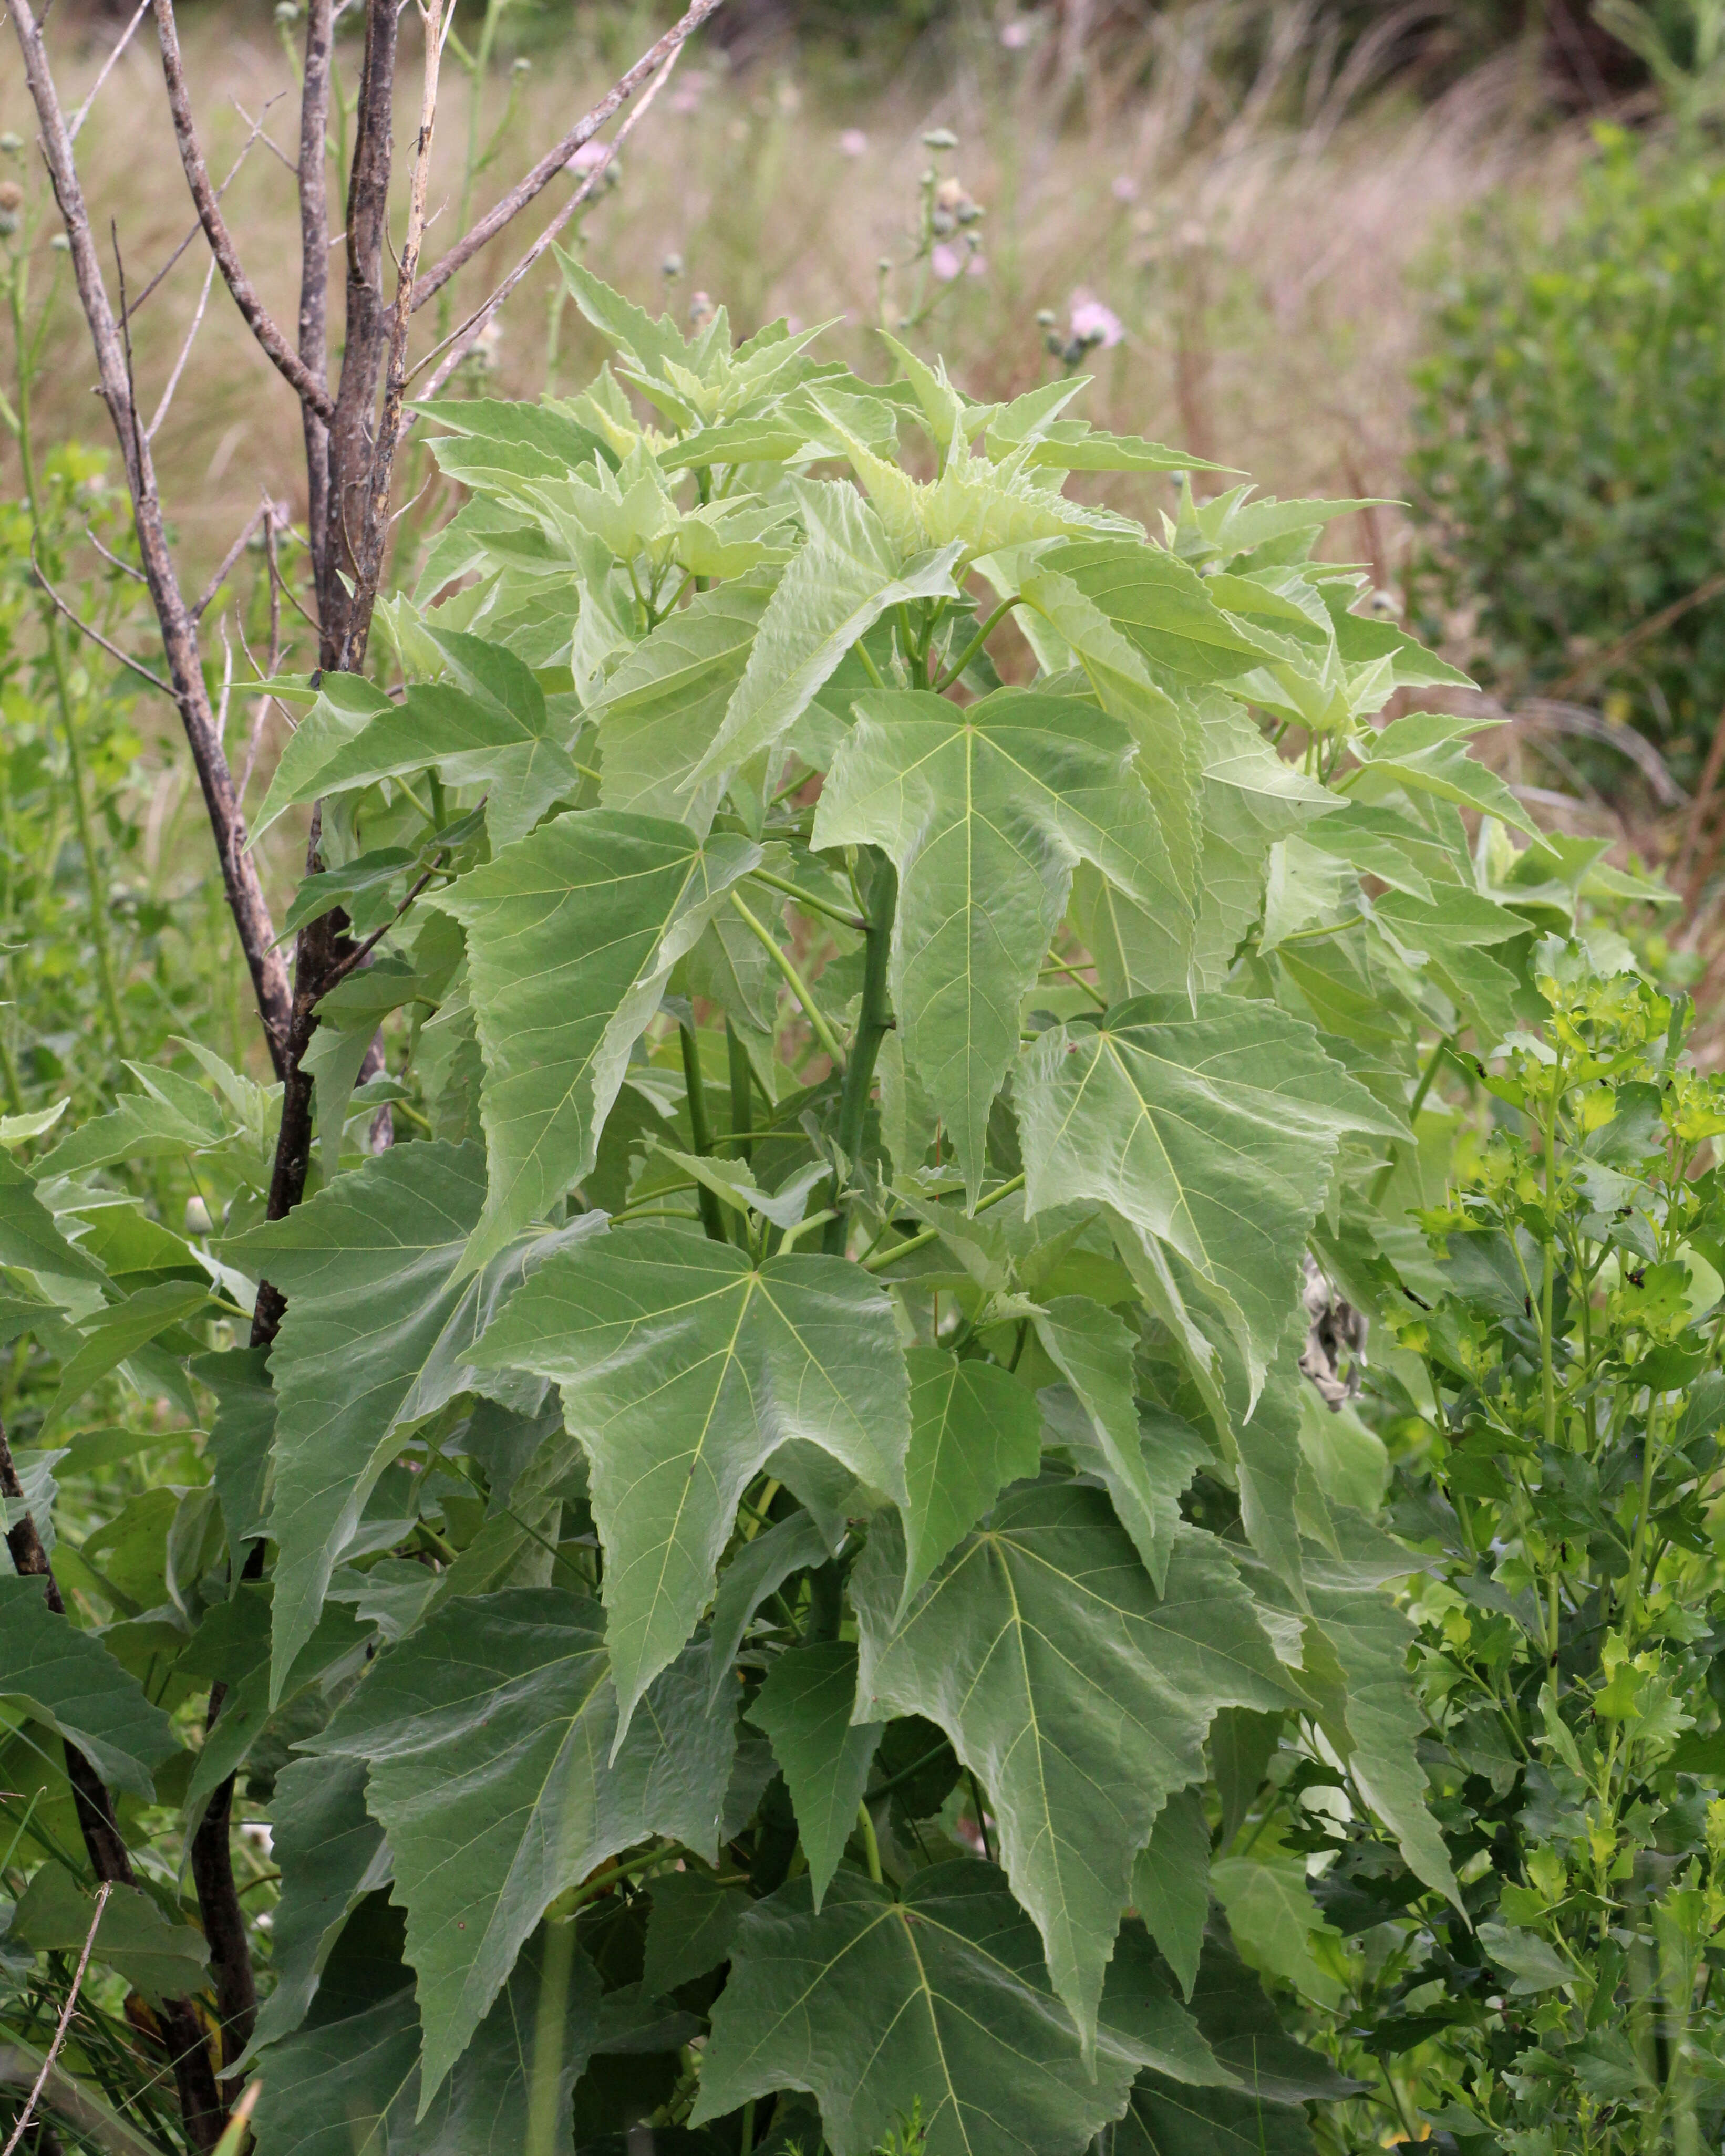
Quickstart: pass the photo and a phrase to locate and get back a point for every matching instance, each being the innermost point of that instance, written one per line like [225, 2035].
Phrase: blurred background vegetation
[1458, 260]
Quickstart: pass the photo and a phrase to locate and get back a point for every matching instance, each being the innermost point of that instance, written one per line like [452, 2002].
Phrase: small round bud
[885, 265]
[950, 193]
[287, 13]
[944, 221]
[11, 143]
[9, 223]
[12, 195]
[521, 64]
[672, 266]
[197, 1219]
[969, 212]
[60, 243]
[1046, 318]
[701, 310]
[940, 138]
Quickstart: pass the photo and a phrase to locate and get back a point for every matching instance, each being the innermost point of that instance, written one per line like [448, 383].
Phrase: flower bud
[672, 265]
[521, 64]
[940, 138]
[12, 195]
[287, 13]
[11, 143]
[60, 243]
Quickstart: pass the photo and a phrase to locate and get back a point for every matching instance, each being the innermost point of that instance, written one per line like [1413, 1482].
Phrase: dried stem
[460, 341]
[276, 348]
[376, 527]
[64, 2023]
[179, 368]
[239, 876]
[555, 160]
[107, 68]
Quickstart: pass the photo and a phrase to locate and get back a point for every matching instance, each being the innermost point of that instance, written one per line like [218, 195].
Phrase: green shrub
[1568, 462]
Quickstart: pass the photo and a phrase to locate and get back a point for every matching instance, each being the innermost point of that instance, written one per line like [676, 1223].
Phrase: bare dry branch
[555, 159]
[314, 244]
[367, 327]
[275, 346]
[229, 559]
[246, 148]
[460, 341]
[375, 530]
[268, 140]
[239, 874]
[66, 2021]
[114, 561]
[107, 68]
[95, 636]
[179, 368]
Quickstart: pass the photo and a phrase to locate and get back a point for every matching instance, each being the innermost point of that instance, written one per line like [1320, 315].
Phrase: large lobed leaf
[498, 1767]
[571, 936]
[985, 811]
[683, 1368]
[1079, 1696]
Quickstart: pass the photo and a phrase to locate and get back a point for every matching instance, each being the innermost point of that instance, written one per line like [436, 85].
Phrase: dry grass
[1262, 259]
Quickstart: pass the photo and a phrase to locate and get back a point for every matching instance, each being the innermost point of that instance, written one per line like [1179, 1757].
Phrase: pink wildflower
[853, 143]
[945, 261]
[1094, 324]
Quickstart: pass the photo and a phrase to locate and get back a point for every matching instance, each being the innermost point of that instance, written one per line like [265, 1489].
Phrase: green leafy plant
[779, 1518]
[1573, 551]
[1555, 1395]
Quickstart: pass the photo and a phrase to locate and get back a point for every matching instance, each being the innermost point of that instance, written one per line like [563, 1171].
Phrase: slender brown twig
[275, 346]
[66, 2021]
[107, 68]
[556, 159]
[94, 634]
[460, 341]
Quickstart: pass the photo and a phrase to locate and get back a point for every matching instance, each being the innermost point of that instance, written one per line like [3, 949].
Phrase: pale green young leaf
[147, 1126]
[683, 1368]
[805, 1707]
[30, 1237]
[120, 1330]
[571, 936]
[70, 1680]
[485, 724]
[1078, 1698]
[498, 1770]
[1426, 752]
[985, 810]
[973, 1430]
[1214, 1134]
[1273, 1919]
[847, 574]
[381, 1319]
[662, 708]
[1169, 745]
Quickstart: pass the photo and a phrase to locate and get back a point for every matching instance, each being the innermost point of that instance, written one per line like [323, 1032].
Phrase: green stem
[871, 1847]
[1547, 1354]
[798, 987]
[742, 1101]
[807, 898]
[96, 877]
[1381, 1182]
[543, 2136]
[700, 1131]
[976, 642]
[880, 1259]
[873, 1024]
